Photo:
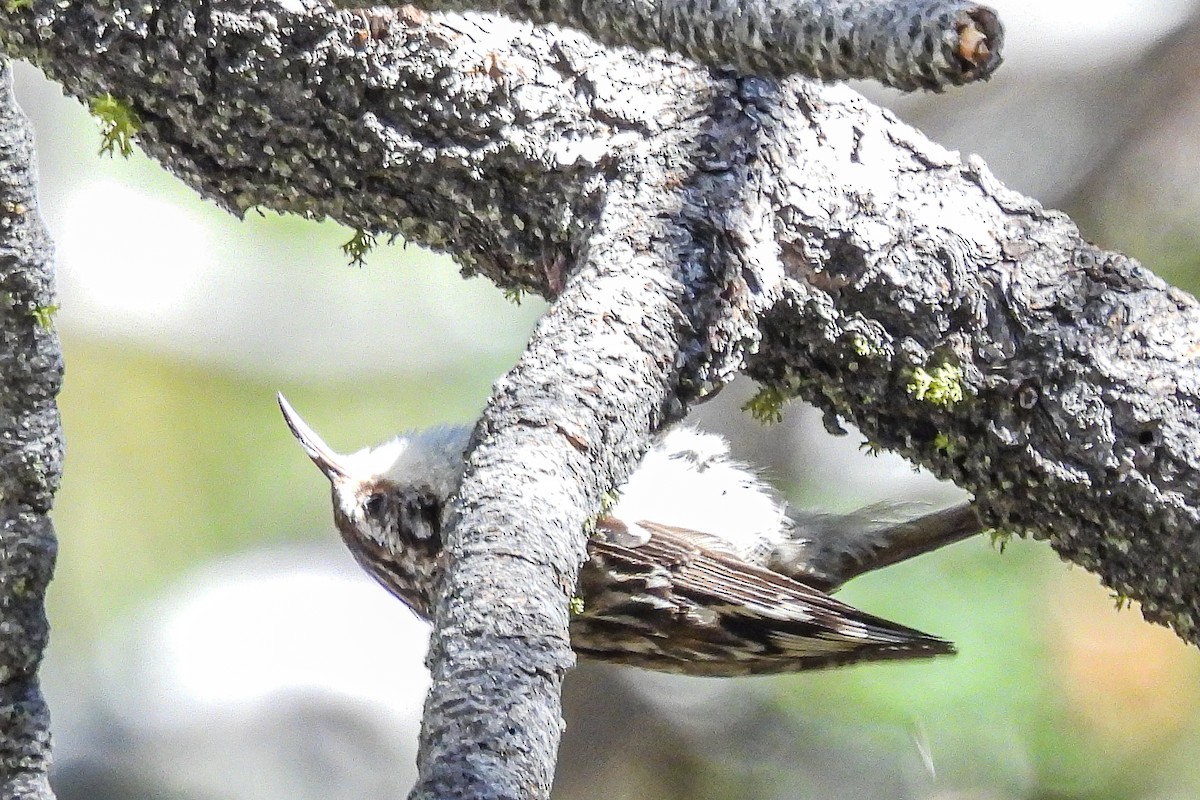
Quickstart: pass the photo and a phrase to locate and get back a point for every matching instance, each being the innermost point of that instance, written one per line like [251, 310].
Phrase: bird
[698, 567]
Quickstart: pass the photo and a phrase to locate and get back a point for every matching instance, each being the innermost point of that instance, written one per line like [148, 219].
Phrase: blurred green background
[180, 323]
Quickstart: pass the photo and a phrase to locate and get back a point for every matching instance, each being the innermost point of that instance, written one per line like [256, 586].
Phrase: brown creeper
[697, 568]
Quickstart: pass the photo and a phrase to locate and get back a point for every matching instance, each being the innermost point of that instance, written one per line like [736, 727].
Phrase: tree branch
[615, 358]
[908, 44]
[687, 225]
[30, 456]
[1077, 419]
[498, 656]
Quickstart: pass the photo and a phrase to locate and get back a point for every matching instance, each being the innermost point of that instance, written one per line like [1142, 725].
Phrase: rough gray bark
[686, 225]
[30, 456]
[908, 44]
[614, 359]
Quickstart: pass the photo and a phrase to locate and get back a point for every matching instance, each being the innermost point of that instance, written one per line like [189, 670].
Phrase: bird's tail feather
[826, 550]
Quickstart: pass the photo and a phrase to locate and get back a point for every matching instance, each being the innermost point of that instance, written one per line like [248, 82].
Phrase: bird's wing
[676, 603]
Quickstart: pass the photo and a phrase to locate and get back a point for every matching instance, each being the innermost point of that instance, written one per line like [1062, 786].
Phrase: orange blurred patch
[1131, 684]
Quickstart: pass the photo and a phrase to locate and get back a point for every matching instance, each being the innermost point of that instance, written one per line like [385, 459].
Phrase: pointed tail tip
[936, 646]
[945, 647]
[916, 642]
[913, 643]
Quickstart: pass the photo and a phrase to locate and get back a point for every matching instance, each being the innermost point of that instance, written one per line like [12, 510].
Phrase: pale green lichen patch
[576, 606]
[941, 386]
[356, 249]
[766, 407]
[862, 347]
[119, 123]
[13, 6]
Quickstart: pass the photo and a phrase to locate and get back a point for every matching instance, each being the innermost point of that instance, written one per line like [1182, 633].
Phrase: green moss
[1000, 539]
[948, 444]
[356, 249]
[514, 296]
[766, 407]
[941, 386]
[1121, 601]
[13, 6]
[119, 123]
[44, 316]
[870, 448]
[576, 606]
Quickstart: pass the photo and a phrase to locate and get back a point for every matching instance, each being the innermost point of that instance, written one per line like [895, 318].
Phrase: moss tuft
[356, 249]
[766, 407]
[1000, 539]
[119, 123]
[44, 316]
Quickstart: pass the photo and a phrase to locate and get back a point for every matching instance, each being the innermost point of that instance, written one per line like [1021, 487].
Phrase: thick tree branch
[616, 357]
[30, 456]
[908, 44]
[686, 219]
[1078, 415]
[498, 657]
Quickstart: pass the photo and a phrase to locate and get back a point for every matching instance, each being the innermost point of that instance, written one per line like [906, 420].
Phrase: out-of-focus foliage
[171, 463]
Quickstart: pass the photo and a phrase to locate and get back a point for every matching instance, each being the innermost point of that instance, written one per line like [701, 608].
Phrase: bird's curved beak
[329, 462]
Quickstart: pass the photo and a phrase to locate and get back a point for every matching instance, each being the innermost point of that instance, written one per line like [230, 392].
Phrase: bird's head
[388, 502]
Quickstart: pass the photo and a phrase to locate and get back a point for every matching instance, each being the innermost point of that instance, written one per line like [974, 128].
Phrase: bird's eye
[374, 505]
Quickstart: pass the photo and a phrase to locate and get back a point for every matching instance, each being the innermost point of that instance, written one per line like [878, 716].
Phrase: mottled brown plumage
[674, 605]
[745, 596]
